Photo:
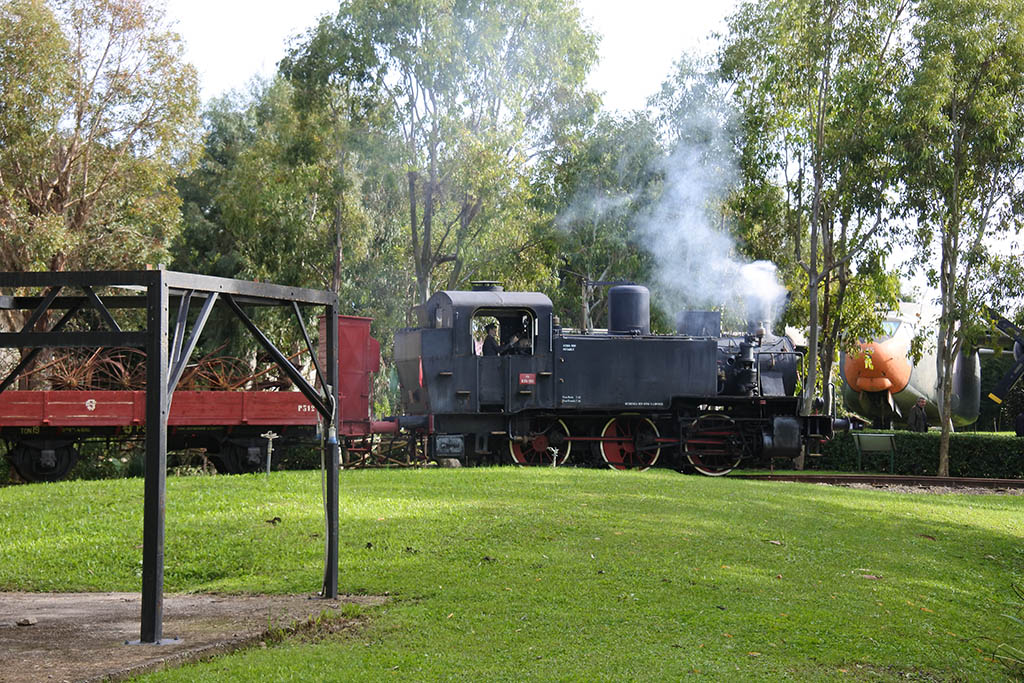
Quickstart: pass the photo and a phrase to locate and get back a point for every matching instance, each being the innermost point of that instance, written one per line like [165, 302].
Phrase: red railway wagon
[43, 428]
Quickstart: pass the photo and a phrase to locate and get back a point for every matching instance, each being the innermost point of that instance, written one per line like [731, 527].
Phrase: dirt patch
[82, 636]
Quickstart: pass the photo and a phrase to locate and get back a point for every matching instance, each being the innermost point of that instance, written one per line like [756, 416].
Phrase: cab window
[513, 332]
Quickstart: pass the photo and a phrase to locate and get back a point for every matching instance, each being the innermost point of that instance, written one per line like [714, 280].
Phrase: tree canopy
[472, 90]
[98, 112]
[962, 137]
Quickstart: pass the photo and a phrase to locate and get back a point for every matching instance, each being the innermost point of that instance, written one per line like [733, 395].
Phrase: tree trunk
[812, 339]
[468, 212]
[585, 306]
[946, 351]
[949, 314]
[339, 212]
[827, 361]
[813, 274]
[413, 227]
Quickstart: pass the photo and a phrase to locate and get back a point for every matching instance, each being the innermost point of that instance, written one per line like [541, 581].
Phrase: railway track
[884, 480]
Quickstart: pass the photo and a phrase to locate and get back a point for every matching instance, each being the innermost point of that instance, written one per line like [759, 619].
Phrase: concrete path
[81, 636]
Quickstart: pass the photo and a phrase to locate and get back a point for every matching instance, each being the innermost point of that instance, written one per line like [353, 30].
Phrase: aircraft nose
[880, 366]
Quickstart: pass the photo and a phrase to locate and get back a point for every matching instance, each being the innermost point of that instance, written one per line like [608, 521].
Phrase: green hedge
[975, 454]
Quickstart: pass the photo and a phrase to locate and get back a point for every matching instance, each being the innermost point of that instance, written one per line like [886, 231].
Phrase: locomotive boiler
[622, 397]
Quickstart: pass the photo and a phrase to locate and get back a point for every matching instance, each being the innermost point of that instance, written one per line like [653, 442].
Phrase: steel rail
[889, 480]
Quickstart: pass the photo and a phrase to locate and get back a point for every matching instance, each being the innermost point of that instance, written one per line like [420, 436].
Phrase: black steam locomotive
[622, 397]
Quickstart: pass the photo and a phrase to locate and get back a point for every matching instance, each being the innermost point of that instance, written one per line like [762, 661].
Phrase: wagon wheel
[223, 373]
[630, 442]
[122, 368]
[547, 444]
[33, 463]
[407, 451]
[713, 445]
[356, 452]
[72, 370]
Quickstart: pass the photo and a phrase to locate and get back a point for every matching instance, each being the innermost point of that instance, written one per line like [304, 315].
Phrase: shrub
[975, 454]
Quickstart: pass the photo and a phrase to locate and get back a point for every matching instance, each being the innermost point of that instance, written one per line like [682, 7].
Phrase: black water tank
[629, 310]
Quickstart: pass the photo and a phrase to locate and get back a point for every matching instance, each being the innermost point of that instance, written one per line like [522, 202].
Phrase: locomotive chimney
[756, 329]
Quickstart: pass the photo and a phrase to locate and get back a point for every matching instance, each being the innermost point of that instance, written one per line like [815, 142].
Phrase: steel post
[156, 460]
[331, 452]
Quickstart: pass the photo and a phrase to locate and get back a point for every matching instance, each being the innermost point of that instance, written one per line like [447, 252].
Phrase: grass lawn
[541, 574]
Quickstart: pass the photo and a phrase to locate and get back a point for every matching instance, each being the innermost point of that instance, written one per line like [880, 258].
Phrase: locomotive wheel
[34, 463]
[713, 445]
[630, 442]
[537, 447]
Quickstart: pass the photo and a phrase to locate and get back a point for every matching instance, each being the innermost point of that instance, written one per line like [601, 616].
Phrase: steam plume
[696, 261]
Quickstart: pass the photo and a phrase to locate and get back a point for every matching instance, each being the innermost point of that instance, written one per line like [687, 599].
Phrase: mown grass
[539, 574]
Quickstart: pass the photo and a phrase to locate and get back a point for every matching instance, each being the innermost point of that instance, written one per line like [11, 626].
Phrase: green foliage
[260, 206]
[971, 454]
[468, 93]
[540, 572]
[267, 202]
[97, 114]
[113, 460]
[598, 191]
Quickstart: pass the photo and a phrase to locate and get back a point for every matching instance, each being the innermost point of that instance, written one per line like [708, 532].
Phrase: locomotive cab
[444, 372]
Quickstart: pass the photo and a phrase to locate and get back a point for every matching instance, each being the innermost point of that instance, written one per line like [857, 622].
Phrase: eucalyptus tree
[472, 91]
[98, 112]
[963, 158]
[596, 191]
[816, 83]
[265, 202]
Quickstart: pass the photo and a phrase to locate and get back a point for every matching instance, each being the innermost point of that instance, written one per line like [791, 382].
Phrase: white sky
[231, 41]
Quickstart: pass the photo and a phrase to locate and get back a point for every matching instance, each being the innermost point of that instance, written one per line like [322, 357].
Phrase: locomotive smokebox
[629, 310]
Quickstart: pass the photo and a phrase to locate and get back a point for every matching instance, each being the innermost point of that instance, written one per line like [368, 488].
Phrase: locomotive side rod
[659, 442]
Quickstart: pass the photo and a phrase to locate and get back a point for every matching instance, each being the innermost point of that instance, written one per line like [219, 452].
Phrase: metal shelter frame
[167, 352]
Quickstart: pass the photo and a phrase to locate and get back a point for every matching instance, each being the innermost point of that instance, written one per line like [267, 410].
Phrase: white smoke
[592, 207]
[696, 264]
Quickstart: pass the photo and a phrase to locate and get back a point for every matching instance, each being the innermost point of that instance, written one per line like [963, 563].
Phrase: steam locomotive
[624, 397]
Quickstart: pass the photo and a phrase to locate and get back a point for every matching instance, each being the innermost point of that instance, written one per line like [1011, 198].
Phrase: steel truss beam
[166, 361]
